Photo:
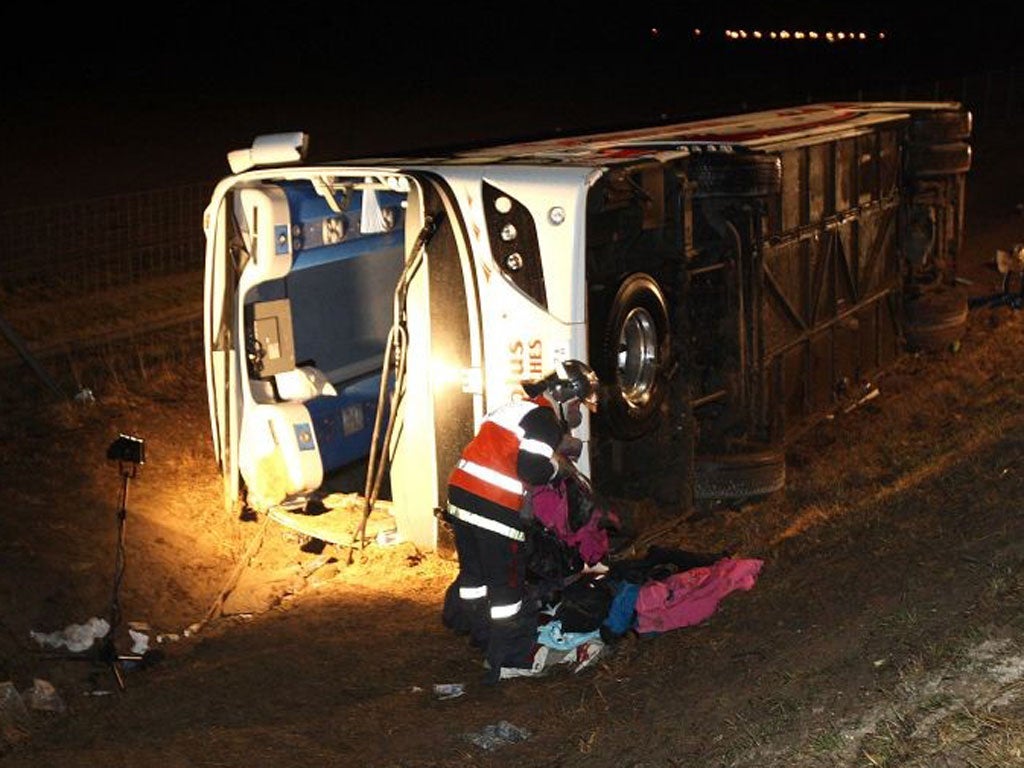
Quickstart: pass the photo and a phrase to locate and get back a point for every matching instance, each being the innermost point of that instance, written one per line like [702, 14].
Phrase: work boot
[466, 617]
[478, 615]
[452, 614]
[513, 640]
[491, 674]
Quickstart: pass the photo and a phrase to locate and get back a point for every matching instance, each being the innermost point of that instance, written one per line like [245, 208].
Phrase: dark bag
[585, 604]
[581, 502]
[661, 562]
[549, 561]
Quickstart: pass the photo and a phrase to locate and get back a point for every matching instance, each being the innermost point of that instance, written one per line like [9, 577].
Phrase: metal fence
[92, 245]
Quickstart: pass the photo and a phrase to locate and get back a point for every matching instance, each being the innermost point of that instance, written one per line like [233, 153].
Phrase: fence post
[22, 349]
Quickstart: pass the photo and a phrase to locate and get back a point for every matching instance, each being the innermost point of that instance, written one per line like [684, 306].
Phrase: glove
[565, 468]
[526, 510]
[570, 447]
[581, 503]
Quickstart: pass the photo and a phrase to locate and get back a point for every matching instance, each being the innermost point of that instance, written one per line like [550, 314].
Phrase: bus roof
[756, 131]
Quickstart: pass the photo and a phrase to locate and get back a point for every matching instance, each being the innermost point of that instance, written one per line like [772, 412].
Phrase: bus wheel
[633, 358]
[940, 127]
[935, 320]
[738, 476]
[929, 160]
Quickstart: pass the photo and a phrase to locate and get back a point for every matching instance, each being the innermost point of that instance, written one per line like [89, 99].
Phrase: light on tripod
[128, 451]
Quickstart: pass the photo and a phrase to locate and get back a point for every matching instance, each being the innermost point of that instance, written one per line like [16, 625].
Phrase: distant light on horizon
[785, 34]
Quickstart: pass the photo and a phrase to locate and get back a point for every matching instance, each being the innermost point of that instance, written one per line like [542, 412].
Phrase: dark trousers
[489, 600]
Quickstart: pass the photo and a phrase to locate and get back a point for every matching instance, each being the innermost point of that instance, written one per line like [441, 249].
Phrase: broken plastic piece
[43, 696]
[14, 720]
[445, 691]
[498, 735]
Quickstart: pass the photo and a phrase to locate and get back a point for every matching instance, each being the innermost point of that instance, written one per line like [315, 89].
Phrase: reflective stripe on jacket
[489, 464]
[494, 526]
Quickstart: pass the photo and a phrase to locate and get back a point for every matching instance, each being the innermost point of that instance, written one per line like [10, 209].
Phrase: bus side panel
[830, 281]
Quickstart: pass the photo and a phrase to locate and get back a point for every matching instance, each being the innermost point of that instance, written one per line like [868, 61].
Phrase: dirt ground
[886, 628]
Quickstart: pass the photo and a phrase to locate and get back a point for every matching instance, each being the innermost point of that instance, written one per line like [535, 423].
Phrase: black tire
[737, 476]
[633, 358]
[726, 174]
[940, 127]
[928, 160]
[935, 320]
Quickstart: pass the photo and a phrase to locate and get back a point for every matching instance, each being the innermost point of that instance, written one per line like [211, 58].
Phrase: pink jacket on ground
[687, 598]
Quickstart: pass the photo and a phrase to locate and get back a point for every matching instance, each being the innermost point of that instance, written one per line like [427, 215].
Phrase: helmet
[571, 380]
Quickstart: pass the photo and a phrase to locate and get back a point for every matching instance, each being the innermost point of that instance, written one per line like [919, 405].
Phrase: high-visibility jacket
[514, 447]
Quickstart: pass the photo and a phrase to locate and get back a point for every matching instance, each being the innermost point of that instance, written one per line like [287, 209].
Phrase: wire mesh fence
[93, 245]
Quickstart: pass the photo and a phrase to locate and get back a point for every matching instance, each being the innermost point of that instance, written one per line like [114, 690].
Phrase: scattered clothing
[564, 509]
[584, 604]
[549, 562]
[660, 562]
[536, 588]
[552, 636]
[622, 612]
[545, 659]
[688, 598]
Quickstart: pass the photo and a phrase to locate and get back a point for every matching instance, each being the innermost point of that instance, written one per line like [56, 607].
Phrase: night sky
[99, 102]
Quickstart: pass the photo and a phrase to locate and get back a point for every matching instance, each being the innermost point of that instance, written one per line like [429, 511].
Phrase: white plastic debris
[388, 538]
[85, 396]
[140, 641]
[445, 691]
[75, 637]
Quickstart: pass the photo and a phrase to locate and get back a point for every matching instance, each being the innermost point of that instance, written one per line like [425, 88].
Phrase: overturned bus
[731, 280]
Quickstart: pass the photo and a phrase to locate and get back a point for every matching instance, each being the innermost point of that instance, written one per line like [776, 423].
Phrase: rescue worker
[520, 445]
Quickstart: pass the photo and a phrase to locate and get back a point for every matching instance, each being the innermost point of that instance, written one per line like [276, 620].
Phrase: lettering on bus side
[525, 359]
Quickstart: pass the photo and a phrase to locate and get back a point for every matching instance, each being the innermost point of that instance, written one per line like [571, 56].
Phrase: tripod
[129, 453]
[108, 652]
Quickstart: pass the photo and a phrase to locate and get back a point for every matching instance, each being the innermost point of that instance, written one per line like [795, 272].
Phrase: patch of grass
[744, 735]
[889, 744]
[754, 735]
[902, 620]
[828, 742]
[936, 701]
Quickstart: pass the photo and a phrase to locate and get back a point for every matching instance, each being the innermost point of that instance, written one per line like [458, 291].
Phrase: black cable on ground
[232, 581]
